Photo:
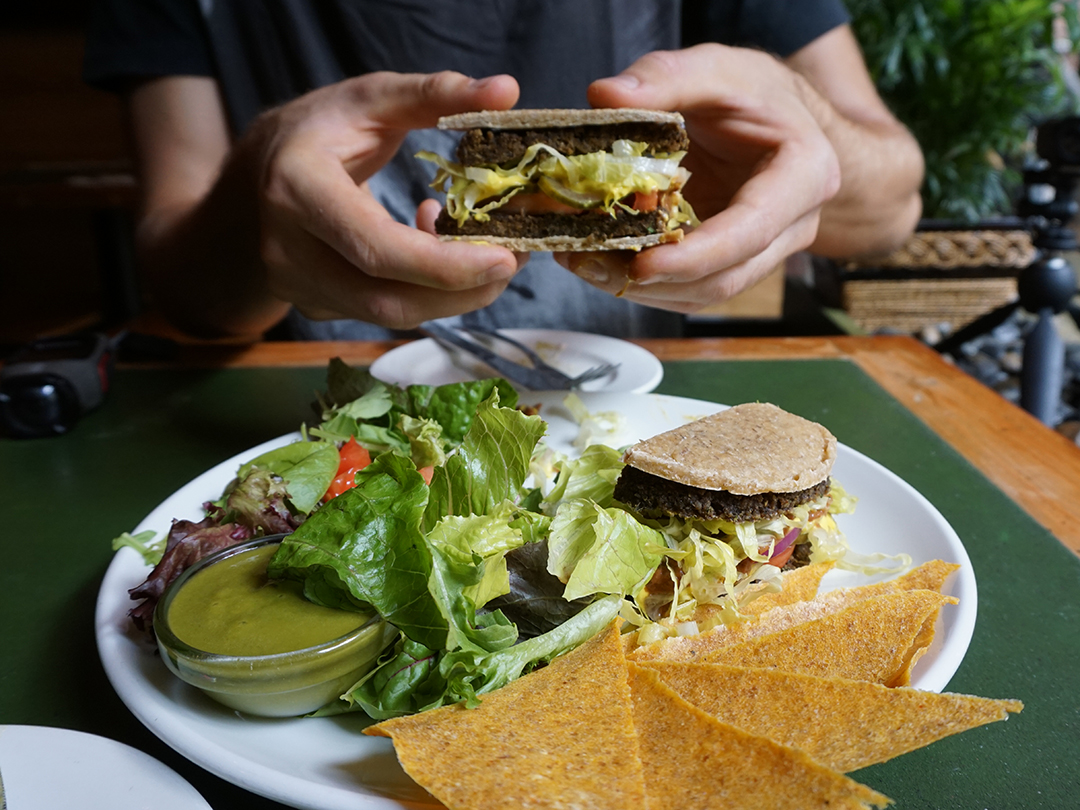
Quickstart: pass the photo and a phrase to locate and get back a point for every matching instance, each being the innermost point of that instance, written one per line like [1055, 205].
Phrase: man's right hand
[289, 218]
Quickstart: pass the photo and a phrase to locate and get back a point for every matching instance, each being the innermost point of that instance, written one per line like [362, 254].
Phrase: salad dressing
[233, 608]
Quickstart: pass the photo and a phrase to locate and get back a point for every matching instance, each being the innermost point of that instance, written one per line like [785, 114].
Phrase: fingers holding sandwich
[333, 287]
[326, 243]
[417, 100]
[690, 276]
[761, 164]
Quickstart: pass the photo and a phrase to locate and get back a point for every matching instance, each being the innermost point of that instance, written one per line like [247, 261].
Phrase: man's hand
[289, 219]
[765, 165]
[329, 247]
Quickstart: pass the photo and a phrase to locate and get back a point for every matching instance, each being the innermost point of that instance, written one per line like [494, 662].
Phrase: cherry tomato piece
[354, 458]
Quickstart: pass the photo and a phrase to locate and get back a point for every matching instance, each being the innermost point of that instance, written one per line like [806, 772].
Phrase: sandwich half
[565, 180]
[739, 495]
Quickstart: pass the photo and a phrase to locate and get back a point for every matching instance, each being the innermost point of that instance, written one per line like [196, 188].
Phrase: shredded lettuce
[725, 565]
[594, 427]
[600, 179]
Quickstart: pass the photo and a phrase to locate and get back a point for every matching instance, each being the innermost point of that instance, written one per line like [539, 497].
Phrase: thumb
[646, 84]
[418, 100]
[703, 77]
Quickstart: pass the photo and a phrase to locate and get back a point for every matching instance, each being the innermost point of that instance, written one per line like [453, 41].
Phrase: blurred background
[66, 185]
[973, 79]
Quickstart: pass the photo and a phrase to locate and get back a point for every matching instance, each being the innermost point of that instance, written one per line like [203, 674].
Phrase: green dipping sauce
[232, 608]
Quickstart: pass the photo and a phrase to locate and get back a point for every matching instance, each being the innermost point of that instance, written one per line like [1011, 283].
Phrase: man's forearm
[197, 237]
[881, 167]
[203, 263]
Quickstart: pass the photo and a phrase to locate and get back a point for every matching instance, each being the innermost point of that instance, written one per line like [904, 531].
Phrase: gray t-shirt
[265, 52]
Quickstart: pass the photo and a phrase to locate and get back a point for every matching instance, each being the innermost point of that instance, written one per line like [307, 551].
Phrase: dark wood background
[66, 184]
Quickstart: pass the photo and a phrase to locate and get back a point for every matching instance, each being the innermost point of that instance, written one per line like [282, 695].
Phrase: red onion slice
[785, 541]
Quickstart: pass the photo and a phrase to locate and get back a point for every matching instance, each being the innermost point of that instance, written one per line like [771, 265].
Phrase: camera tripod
[1045, 289]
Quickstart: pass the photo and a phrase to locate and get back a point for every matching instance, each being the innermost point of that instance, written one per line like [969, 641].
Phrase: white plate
[48, 768]
[426, 362]
[326, 764]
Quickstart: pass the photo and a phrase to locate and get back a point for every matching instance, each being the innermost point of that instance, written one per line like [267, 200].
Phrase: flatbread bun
[570, 243]
[746, 450]
[546, 119]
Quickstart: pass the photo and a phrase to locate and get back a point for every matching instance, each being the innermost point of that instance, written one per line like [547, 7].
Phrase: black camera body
[47, 385]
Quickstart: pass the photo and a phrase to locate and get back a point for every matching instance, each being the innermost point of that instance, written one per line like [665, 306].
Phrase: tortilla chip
[693, 760]
[876, 640]
[560, 737]
[929, 576]
[686, 648]
[932, 574]
[841, 723]
[798, 585]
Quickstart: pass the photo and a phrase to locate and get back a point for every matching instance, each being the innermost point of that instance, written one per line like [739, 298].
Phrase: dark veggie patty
[501, 146]
[653, 496]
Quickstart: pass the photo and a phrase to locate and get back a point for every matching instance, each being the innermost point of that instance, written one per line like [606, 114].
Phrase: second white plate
[426, 362]
[47, 768]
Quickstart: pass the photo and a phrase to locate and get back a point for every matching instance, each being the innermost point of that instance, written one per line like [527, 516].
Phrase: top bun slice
[750, 449]
[549, 119]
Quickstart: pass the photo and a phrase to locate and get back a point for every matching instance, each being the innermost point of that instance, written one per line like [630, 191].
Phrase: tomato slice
[646, 202]
[780, 559]
[353, 458]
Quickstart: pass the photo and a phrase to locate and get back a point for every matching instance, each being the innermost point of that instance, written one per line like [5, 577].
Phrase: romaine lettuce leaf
[365, 549]
[489, 467]
[425, 440]
[596, 550]
[591, 476]
[456, 404]
[486, 538]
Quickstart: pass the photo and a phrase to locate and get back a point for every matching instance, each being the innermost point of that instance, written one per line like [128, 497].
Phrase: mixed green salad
[442, 509]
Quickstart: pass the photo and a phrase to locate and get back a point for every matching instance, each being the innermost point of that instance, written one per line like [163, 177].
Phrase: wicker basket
[938, 277]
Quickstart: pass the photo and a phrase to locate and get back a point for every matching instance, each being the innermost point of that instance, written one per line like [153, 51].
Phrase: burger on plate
[739, 496]
[565, 180]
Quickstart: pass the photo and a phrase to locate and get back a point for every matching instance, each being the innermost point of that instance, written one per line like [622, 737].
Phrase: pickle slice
[577, 199]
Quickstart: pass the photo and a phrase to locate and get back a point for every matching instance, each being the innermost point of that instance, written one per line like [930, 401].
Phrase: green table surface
[63, 499]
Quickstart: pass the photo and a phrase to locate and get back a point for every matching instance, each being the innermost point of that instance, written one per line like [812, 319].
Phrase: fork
[594, 373]
[540, 377]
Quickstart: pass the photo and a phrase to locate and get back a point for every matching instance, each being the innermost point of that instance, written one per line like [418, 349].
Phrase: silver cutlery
[594, 373]
[540, 376]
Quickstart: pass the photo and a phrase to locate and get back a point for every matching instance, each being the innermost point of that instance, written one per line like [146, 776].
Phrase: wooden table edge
[1035, 466]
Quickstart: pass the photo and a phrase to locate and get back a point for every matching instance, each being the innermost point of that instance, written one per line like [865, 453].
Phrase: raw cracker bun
[547, 119]
[575, 244]
[746, 450]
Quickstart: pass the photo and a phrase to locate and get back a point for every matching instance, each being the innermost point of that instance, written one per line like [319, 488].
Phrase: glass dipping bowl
[283, 684]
